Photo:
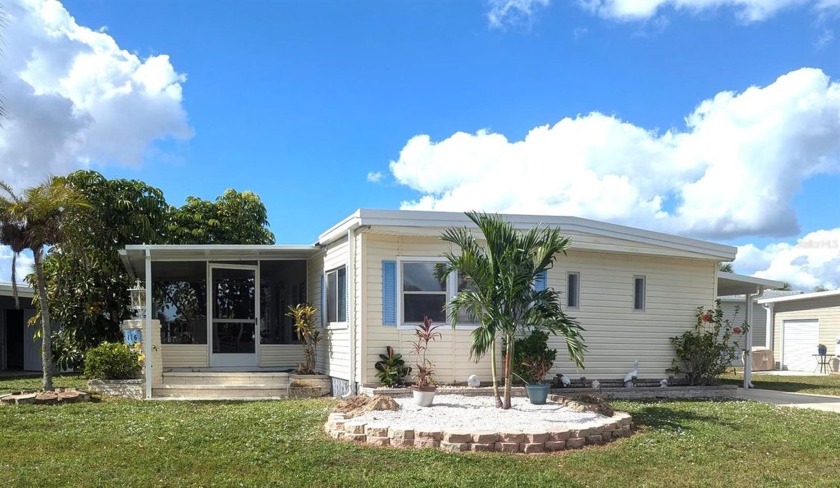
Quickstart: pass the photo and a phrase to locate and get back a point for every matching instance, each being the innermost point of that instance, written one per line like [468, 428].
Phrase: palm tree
[33, 222]
[500, 292]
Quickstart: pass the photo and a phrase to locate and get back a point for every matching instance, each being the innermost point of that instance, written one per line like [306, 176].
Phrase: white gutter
[147, 336]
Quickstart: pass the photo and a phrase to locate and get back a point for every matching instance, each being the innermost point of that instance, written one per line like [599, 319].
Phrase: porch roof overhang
[735, 284]
[134, 256]
[23, 290]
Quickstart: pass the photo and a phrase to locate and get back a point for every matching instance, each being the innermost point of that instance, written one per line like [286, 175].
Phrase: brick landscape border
[604, 430]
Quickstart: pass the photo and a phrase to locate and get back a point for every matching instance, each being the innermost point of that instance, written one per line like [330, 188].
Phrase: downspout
[769, 324]
[351, 306]
[147, 339]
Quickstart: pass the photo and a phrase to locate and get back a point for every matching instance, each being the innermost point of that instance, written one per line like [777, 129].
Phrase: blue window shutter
[389, 292]
[323, 301]
[540, 281]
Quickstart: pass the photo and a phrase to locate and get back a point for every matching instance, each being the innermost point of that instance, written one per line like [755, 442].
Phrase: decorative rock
[595, 439]
[473, 381]
[481, 447]
[457, 436]
[536, 437]
[426, 442]
[606, 435]
[376, 431]
[379, 441]
[575, 442]
[428, 434]
[507, 446]
[354, 428]
[485, 437]
[354, 437]
[512, 437]
[18, 398]
[401, 434]
[455, 446]
[552, 446]
[560, 435]
[532, 447]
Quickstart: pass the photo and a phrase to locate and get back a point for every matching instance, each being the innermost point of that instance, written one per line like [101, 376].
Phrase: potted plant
[538, 389]
[822, 350]
[424, 388]
[391, 369]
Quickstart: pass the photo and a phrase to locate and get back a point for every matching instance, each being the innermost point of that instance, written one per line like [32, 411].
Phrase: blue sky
[636, 112]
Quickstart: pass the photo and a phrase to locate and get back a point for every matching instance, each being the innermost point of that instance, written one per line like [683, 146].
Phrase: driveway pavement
[786, 399]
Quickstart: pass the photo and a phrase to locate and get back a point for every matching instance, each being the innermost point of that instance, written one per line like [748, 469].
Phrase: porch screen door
[234, 303]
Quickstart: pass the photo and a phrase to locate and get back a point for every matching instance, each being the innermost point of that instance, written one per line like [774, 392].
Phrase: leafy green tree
[726, 267]
[35, 221]
[87, 284]
[501, 293]
[234, 218]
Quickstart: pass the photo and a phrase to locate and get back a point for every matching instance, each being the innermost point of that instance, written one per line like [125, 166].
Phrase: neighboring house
[371, 276]
[734, 309]
[18, 349]
[799, 323]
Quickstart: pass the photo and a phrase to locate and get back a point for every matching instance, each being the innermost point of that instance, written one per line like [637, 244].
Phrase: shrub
[112, 361]
[308, 333]
[531, 355]
[707, 350]
[391, 369]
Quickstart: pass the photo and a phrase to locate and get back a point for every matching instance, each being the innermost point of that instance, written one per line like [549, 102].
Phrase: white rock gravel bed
[458, 412]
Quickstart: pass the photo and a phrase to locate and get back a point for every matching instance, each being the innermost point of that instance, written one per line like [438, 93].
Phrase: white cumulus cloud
[375, 176]
[74, 97]
[731, 171]
[811, 261]
[23, 266]
[746, 10]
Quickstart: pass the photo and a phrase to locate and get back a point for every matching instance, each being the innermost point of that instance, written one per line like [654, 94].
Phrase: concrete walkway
[786, 399]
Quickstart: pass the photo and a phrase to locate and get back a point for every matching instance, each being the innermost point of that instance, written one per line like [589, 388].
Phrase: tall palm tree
[500, 292]
[34, 221]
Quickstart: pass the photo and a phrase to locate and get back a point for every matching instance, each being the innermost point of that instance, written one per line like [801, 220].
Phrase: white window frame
[577, 290]
[451, 291]
[636, 278]
[337, 323]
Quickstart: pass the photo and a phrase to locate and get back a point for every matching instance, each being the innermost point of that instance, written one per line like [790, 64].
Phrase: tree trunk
[46, 333]
[493, 371]
[508, 370]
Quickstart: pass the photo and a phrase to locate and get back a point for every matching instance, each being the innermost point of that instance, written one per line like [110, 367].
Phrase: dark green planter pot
[537, 393]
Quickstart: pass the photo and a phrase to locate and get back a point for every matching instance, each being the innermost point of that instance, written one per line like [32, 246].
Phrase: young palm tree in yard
[33, 221]
[500, 292]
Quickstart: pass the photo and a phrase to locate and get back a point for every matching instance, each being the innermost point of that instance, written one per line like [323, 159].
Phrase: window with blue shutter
[541, 281]
[389, 292]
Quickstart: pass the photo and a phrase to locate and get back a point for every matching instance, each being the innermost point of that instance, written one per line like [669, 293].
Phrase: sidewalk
[787, 399]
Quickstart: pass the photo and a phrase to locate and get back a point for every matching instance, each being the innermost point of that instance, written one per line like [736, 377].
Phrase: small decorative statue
[596, 384]
[663, 383]
[473, 381]
[630, 378]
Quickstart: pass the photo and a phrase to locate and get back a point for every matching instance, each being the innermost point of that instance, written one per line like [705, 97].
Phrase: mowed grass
[155, 443]
[817, 385]
[31, 382]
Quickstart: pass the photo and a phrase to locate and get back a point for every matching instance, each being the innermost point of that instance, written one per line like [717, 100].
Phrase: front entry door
[234, 303]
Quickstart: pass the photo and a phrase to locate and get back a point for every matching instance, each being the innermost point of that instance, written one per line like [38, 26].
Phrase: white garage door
[800, 344]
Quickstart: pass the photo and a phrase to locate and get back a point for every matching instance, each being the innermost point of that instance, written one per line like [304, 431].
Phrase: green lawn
[132, 443]
[818, 385]
[29, 382]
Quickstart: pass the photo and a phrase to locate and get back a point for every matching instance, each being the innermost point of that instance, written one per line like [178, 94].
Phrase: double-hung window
[336, 295]
[422, 294]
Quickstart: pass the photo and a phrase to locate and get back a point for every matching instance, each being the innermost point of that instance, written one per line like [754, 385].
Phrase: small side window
[336, 291]
[573, 290]
[639, 293]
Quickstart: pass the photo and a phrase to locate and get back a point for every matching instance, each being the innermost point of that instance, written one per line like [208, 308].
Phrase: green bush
[112, 361]
[707, 350]
[391, 369]
[530, 351]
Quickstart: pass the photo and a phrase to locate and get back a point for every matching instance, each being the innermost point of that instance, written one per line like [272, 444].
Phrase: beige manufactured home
[221, 308]
[798, 324]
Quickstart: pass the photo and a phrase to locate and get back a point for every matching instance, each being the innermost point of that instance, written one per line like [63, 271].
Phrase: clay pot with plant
[424, 387]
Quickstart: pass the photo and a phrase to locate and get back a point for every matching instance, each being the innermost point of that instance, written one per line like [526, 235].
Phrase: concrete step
[278, 380]
[220, 392]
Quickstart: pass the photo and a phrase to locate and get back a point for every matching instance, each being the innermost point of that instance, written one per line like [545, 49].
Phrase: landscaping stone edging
[339, 427]
[134, 389]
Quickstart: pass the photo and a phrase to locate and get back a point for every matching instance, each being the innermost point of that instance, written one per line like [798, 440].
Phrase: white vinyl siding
[334, 350]
[184, 355]
[280, 355]
[615, 336]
